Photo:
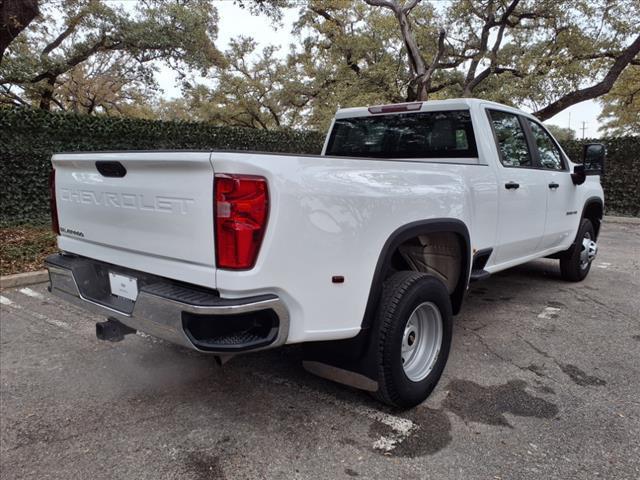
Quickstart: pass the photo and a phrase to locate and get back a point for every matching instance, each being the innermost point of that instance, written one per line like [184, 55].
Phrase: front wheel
[413, 337]
[576, 263]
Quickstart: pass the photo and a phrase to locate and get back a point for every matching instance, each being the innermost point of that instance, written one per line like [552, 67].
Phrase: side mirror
[592, 163]
[578, 176]
[593, 158]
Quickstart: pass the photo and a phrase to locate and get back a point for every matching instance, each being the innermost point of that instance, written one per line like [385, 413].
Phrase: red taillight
[52, 203]
[241, 211]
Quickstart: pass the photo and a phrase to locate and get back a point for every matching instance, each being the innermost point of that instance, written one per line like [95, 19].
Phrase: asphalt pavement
[543, 381]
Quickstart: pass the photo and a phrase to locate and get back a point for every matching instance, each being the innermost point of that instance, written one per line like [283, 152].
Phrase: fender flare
[401, 235]
[593, 201]
[588, 202]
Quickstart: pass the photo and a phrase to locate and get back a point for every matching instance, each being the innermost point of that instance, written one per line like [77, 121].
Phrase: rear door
[562, 196]
[522, 190]
[149, 211]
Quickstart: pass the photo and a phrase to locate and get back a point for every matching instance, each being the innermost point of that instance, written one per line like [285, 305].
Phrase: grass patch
[23, 249]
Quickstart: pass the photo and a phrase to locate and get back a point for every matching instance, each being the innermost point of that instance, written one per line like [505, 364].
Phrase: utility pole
[584, 127]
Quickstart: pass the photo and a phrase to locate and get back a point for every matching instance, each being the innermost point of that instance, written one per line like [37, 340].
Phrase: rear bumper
[187, 315]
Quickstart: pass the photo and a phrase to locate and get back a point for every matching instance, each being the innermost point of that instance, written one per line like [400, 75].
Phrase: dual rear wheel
[413, 337]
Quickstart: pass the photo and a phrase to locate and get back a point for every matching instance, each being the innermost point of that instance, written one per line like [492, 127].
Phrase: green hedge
[621, 181]
[28, 138]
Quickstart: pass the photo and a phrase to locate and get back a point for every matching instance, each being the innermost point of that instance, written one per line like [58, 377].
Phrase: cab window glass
[550, 156]
[446, 134]
[514, 151]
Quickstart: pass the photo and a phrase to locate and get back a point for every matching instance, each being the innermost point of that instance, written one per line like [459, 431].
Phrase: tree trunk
[596, 90]
[15, 15]
[419, 87]
[416, 62]
[47, 94]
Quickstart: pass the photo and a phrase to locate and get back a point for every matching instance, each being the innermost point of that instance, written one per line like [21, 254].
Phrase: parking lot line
[5, 301]
[39, 316]
[549, 312]
[30, 293]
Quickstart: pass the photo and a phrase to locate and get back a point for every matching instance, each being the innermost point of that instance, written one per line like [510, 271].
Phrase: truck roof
[419, 106]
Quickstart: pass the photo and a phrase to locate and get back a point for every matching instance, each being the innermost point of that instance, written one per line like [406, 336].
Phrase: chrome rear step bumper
[187, 315]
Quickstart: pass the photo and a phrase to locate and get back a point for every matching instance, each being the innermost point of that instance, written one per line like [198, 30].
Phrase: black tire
[402, 293]
[571, 268]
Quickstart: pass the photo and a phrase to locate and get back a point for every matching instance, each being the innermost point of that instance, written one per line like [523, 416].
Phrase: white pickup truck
[363, 253]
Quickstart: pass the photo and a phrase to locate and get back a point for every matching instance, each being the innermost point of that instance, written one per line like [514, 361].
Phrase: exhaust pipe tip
[112, 330]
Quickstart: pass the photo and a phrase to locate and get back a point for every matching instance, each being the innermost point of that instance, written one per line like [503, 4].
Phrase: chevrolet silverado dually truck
[363, 253]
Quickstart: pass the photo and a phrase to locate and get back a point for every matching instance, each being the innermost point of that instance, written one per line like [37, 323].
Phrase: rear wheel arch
[390, 257]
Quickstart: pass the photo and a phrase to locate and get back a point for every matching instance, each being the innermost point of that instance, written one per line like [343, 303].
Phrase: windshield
[446, 134]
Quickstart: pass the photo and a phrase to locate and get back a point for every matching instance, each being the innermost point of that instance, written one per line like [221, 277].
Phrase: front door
[562, 196]
[522, 191]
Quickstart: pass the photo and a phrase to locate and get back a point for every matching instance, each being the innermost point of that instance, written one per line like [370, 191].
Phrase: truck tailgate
[153, 215]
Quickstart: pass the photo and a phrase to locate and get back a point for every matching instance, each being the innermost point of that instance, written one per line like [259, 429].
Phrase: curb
[23, 279]
[611, 219]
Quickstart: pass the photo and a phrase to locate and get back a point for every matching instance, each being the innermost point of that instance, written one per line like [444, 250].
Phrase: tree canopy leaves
[72, 36]
[542, 55]
[621, 106]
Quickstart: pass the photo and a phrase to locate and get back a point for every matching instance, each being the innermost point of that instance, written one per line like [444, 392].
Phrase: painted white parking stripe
[30, 293]
[5, 301]
[57, 323]
[402, 427]
[39, 316]
[549, 312]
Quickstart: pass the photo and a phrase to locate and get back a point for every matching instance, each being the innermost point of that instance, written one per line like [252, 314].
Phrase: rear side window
[447, 134]
[549, 152]
[514, 150]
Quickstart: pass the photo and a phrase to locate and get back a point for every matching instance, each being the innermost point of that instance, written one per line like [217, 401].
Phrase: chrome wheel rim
[588, 251]
[421, 341]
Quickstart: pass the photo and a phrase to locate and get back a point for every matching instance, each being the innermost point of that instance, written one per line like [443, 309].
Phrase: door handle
[511, 185]
[553, 185]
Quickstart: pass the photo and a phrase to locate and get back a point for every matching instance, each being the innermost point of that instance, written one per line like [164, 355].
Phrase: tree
[15, 15]
[621, 106]
[562, 134]
[421, 69]
[42, 59]
[348, 55]
[253, 91]
[345, 56]
[541, 55]
[110, 85]
[537, 52]
[270, 8]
